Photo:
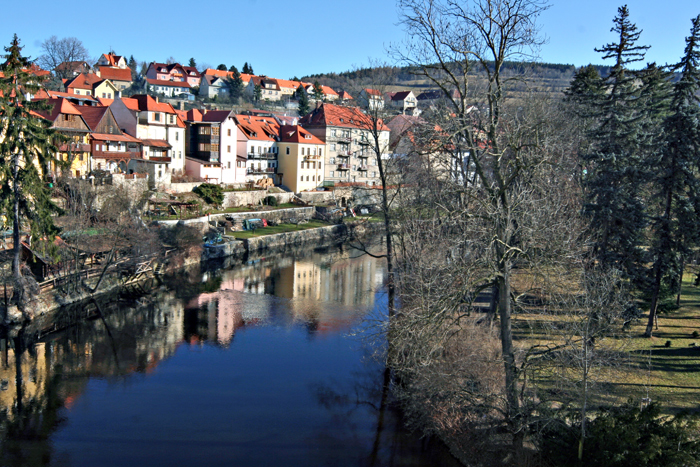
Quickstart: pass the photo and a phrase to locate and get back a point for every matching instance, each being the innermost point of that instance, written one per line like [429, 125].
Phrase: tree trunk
[504, 308]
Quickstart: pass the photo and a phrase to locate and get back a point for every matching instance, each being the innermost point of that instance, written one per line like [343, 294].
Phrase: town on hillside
[170, 124]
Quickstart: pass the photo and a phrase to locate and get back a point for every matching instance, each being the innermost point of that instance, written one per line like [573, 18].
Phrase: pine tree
[193, 63]
[247, 69]
[221, 67]
[133, 67]
[614, 166]
[318, 92]
[677, 187]
[257, 92]
[26, 154]
[234, 84]
[304, 107]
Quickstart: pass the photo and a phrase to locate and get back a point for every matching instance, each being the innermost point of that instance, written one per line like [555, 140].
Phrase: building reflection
[44, 369]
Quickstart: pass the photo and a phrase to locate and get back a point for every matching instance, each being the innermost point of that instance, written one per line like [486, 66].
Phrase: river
[265, 362]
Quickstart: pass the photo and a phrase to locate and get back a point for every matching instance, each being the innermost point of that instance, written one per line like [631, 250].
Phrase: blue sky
[284, 39]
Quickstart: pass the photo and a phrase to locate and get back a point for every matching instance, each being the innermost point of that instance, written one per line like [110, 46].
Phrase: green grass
[669, 375]
[281, 228]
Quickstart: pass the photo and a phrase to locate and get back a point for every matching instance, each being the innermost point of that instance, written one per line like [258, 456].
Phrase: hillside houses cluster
[143, 136]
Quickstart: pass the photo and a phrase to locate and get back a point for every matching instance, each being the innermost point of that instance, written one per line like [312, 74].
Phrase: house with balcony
[347, 133]
[300, 158]
[160, 129]
[257, 140]
[67, 120]
[211, 147]
[111, 149]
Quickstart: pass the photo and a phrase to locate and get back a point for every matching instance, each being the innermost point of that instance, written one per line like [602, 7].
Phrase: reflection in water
[156, 380]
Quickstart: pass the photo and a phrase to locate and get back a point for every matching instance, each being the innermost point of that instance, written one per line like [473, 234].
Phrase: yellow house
[300, 158]
[69, 122]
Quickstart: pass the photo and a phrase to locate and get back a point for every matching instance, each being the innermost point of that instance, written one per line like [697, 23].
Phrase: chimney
[182, 105]
[156, 99]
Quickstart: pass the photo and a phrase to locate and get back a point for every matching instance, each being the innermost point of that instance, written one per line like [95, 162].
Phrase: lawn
[280, 228]
[648, 368]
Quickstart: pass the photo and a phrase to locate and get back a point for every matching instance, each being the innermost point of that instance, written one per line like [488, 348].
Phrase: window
[215, 147]
[228, 149]
[301, 179]
[331, 174]
[156, 116]
[307, 178]
[313, 178]
[374, 174]
[333, 132]
[229, 165]
[287, 149]
[104, 94]
[332, 146]
[172, 119]
[332, 161]
[204, 130]
[320, 151]
[215, 130]
[229, 132]
[302, 165]
[177, 136]
[313, 165]
[302, 151]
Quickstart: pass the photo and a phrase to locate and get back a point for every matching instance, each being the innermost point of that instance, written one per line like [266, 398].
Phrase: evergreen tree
[257, 92]
[318, 92]
[221, 67]
[193, 63]
[234, 85]
[676, 185]
[26, 155]
[233, 68]
[247, 69]
[133, 66]
[614, 166]
[304, 107]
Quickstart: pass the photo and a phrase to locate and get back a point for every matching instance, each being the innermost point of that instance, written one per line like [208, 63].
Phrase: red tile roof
[296, 134]
[339, 116]
[123, 137]
[146, 102]
[57, 107]
[258, 128]
[157, 143]
[92, 115]
[373, 92]
[47, 94]
[115, 74]
[83, 81]
[112, 59]
[161, 82]
[344, 95]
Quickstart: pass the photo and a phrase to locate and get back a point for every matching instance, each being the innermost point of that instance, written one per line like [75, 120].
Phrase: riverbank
[52, 299]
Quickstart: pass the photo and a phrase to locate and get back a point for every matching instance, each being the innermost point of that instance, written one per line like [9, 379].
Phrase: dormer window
[307, 136]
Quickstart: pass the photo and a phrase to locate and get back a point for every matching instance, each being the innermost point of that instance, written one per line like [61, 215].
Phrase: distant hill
[539, 77]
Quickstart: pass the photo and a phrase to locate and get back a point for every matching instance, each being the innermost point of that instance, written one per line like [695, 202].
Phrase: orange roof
[344, 95]
[112, 59]
[296, 134]
[58, 106]
[162, 82]
[105, 102]
[373, 92]
[286, 83]
[328, 91]
[48, 94]
[145, 102]
[258, 128]
[83, 81]
[115, 74]
[339, 116]
[123, 137]
[224, 74]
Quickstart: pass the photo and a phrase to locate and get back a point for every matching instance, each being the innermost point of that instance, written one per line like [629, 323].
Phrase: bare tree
[57, 51]
[448, 38]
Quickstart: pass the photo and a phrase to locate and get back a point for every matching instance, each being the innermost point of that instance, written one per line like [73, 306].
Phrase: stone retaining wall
[234, 199]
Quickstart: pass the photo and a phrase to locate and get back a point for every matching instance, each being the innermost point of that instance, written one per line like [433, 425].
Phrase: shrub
[271, 200]
[695, 334]
[667, 344]
[624, 436]
[210, 193]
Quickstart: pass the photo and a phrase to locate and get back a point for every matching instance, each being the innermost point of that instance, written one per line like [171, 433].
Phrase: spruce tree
[133, 67]
[615, 164]
[234, 85]
[247, 69]
[318, 92]
[304, 107]
[257, 92]
[221, 67]
[676, 185]
[193, 63]
[26, 155]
